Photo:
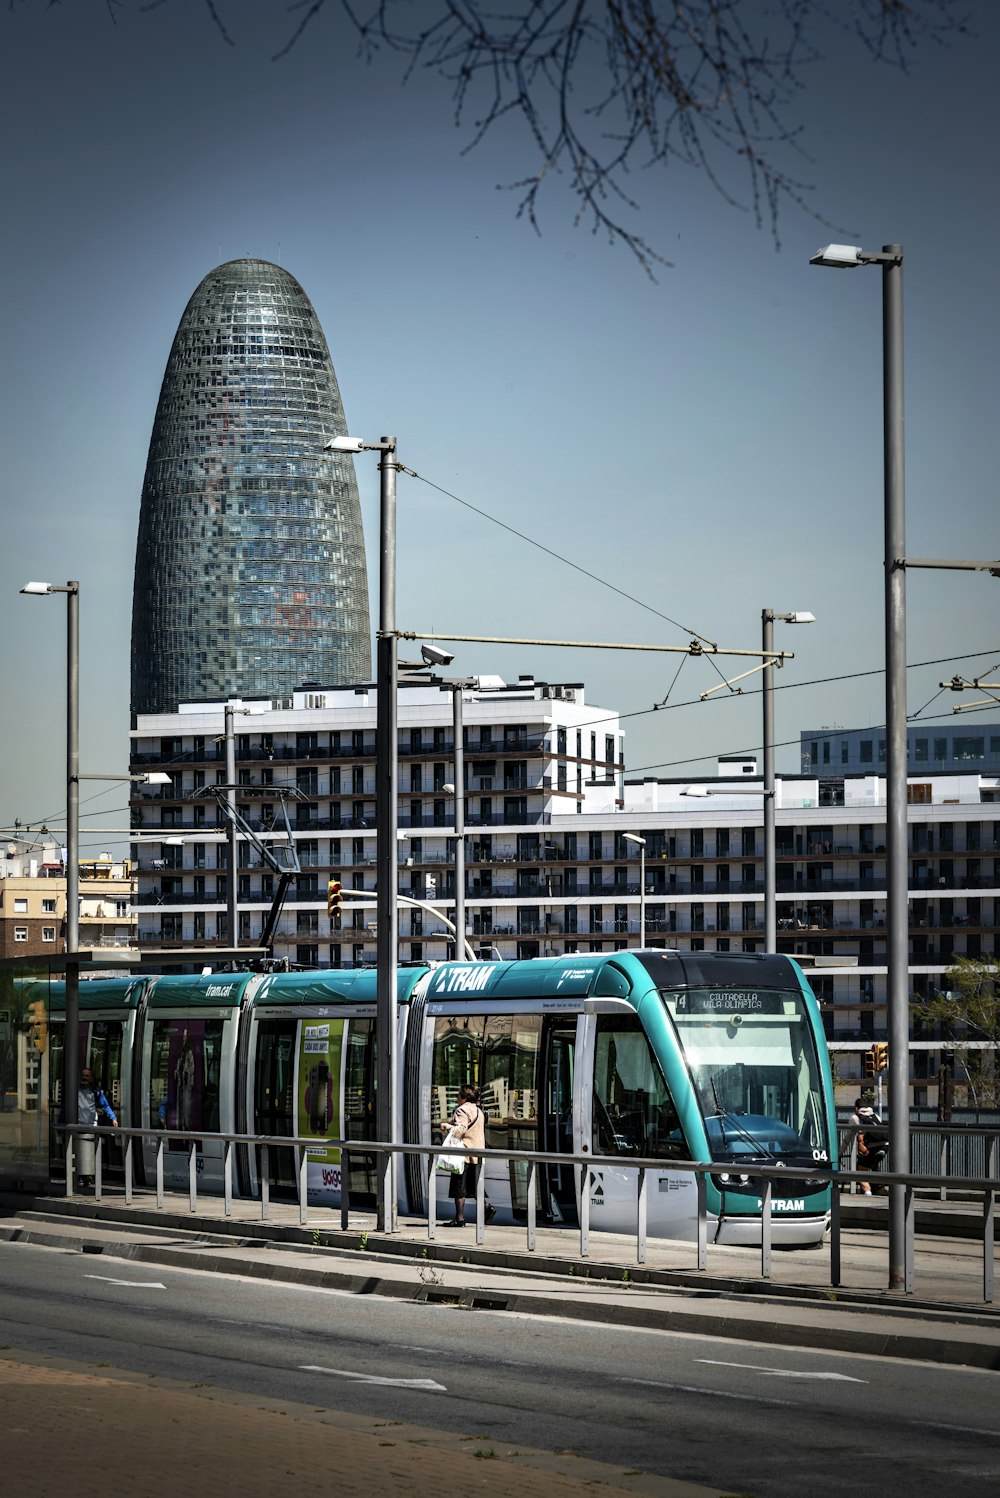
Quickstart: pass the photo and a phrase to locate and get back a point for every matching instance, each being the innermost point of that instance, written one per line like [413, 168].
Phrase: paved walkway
[97, 1432]
[945, 1322]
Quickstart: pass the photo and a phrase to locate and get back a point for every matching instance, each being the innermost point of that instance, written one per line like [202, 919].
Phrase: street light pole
[897, 912]
[897, 908]
[71, 1038]
[386, 821]
[232, 904]
[768, 617]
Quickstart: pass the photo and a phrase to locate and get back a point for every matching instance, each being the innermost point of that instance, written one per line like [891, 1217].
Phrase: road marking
[133, 1284]
[782, 1372]
[427, 1384]
[652, 1383]
[964, 1430]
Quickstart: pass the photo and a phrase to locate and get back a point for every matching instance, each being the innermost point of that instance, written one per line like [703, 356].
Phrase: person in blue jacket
[90, 1101]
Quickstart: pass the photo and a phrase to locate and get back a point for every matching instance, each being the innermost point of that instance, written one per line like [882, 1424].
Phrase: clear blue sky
[711, 444]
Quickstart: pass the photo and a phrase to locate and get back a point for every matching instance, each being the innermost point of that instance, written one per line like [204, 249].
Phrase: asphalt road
[744, 1417]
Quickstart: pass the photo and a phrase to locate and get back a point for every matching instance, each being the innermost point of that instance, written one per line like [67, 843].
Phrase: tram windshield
[753, 1062]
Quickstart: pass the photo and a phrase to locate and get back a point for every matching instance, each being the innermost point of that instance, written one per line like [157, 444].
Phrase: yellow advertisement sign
[321, 1044]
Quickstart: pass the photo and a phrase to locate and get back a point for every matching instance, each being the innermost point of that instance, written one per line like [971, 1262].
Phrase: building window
[845, 752]
[920, 748]
[20, 907]
[940, 751]
[881, 751]
[20, 933]
[970, 748]
[48, 933]
[826, 751]
[866, 752]
[48, 907]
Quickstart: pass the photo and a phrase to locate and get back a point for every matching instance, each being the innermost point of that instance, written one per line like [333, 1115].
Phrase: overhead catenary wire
[558, 556]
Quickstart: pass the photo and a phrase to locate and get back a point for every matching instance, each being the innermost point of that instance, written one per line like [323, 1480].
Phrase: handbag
[448, 1164]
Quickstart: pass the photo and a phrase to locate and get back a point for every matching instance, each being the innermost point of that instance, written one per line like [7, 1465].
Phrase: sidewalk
[96, 1432]
[945, 1322]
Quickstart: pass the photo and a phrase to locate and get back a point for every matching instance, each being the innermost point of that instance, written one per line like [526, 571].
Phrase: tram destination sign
[730, 1001]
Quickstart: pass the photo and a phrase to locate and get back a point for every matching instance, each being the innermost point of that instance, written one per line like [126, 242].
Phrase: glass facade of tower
[250, 572]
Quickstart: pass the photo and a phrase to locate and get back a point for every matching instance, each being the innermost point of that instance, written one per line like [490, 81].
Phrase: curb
[908, 1345]
[516, 1262]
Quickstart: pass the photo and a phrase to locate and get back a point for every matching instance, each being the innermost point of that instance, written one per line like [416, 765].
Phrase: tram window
[184, 1073]
[634, 1113]
[458, 1043]
[359, 1096]
[510, 1080]
[106, 1059]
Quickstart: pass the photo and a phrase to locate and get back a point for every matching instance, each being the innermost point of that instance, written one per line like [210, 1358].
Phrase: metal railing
[985, 1186]
[952, 1151]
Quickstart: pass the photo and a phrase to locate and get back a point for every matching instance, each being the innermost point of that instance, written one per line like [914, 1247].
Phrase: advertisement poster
[321, 1046]
[185, 1076]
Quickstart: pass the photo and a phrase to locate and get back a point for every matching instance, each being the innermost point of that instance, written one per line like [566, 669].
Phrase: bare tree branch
[605, 88]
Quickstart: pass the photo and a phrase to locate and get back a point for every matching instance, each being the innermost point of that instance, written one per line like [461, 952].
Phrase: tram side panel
[188, 1074]
[311, 1074]
[110, 1019]
[560, 1073]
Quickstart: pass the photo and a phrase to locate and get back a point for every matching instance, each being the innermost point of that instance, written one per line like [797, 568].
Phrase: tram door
[100, 1046]
[274, 1097]
[359, 1108]
[558, 1184]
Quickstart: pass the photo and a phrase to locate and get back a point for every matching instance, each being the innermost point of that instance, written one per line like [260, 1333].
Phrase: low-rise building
[33, 902]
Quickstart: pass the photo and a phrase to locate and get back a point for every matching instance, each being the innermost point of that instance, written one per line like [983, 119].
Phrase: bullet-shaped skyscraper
[250, 572]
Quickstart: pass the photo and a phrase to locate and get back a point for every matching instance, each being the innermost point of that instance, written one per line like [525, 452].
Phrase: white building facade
[547, 867]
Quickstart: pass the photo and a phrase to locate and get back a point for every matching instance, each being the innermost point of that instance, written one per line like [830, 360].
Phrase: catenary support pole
[459, 773]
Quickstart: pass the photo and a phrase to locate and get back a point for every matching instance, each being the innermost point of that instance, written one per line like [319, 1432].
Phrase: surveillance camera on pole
[432, 656]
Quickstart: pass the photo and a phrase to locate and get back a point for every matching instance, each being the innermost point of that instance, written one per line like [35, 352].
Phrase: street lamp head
[633, 837]
[37, 588]
[154, 777]
[448, 788]
[802, 617]
[838, 256]
[432, 656]
[344, 445]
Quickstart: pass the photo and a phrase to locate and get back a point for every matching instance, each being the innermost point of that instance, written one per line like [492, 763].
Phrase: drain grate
[488, 1302]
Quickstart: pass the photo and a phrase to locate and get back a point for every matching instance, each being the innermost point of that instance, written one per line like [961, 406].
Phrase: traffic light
[38, 1023]
[870, 1062]
[334, 899]
[881, 1055]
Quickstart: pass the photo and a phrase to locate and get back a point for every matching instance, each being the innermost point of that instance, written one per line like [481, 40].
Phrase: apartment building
[549, 868]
